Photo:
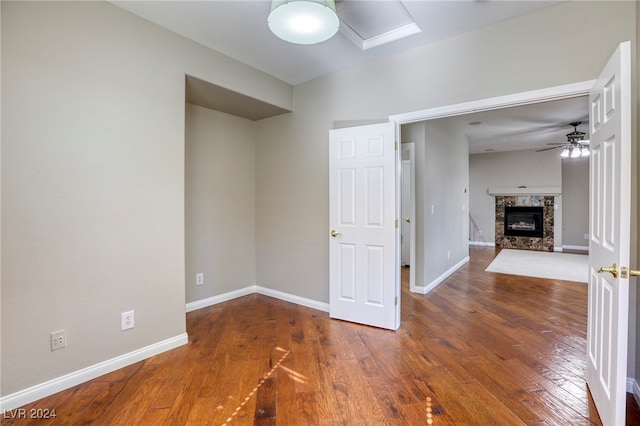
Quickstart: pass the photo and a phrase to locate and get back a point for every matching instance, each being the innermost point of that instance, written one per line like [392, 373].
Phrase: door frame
[566, 91]
[411, 214]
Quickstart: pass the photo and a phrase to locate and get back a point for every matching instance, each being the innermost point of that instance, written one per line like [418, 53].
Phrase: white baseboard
[34, 393]
[309, 303]
[634, 387]
[303, 301]
[433, 284]
[482, 243]
[210, 301]
[583, 248]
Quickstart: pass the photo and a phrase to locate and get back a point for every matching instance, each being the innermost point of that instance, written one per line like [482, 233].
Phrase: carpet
[542, 264]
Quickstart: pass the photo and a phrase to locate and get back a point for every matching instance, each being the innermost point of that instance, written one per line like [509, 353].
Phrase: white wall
[93, 198]
[219, 202]
[510, 169]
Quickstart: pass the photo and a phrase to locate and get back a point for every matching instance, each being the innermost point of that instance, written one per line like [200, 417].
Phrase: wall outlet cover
[58, 339]
[127, 320]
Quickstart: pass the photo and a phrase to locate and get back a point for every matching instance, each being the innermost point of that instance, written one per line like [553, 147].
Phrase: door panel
[610, 194]
[362, 247]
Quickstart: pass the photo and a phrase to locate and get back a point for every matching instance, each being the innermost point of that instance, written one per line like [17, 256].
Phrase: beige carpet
[542, 264]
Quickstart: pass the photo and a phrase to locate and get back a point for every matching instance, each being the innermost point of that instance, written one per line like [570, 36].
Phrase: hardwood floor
[482, 348]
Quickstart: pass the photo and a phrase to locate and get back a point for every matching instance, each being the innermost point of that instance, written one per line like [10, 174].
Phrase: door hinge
[396, 223]
[395, 144]
[396, 301]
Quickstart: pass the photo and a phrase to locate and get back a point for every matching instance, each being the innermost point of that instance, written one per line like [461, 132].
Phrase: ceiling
[524, 127]
[370, 30]
[239, 29]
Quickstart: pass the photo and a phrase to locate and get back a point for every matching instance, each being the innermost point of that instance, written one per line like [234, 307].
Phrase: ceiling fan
[575, 146]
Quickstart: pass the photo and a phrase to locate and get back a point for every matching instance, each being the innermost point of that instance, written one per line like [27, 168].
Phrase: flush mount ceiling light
[303, 21]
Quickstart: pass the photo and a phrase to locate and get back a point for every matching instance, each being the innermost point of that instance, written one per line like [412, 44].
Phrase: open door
[609, 228]
[363, 236]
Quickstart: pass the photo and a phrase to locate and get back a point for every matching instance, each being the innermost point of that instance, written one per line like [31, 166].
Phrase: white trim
[34, 393]
[545, 190]
[585, 248]
[214, 300]
[433, 284]
[388, 37]
[634, 387]
[524, 98]
[303, 301]
[482, 243]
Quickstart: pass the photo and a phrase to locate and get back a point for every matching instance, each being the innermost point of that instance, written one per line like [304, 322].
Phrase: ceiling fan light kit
[575, 146]
[303, 21]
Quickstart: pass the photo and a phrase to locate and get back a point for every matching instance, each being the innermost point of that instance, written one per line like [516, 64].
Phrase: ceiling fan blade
[548, 149]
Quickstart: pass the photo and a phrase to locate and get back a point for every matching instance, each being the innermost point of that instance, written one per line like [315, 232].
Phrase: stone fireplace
[525, 222]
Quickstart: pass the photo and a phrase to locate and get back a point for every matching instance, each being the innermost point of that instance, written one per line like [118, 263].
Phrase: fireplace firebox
[523, 221]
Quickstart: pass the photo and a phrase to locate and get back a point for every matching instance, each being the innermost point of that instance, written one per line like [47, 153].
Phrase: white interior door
[362, 216]
[405, 231]
[609, 223]
[408, 210]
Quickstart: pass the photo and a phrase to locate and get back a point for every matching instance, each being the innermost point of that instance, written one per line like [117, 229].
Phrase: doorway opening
[574, 90]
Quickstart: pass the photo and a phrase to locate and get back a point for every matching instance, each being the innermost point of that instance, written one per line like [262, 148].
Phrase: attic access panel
[369, 24]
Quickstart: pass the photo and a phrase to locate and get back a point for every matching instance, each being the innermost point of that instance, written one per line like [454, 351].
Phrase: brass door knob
[408, 220]
[613, 270]
[335, 233]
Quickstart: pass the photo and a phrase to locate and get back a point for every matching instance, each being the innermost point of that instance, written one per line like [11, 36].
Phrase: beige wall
[292, 157]
[510, 169]
[442, 176]
[575, 205]
[93, 198]
[93, 159]
[219, 202]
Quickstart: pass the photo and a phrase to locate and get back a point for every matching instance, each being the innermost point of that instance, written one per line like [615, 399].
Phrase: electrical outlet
[586, 236]
[127, 320]
[199, 278]
[58, 340]
[448, 255]
[479, 233]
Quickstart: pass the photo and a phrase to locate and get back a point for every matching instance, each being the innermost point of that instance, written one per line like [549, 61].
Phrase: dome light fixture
[303, 21]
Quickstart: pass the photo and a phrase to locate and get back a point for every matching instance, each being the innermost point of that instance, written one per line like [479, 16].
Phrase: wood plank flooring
[482, 348]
